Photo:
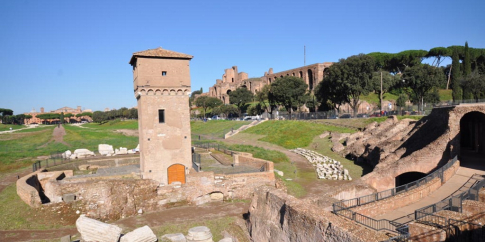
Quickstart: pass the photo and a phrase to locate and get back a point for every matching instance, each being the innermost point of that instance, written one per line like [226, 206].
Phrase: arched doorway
[176, 173]
[310, 79]
[408, 177]
[472, 139]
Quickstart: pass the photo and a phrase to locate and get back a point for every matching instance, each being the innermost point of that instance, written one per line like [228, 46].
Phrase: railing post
[353, 216]
[377, 196]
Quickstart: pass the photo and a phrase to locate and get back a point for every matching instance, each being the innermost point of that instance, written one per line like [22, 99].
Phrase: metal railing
[54, 159]
[359, 201]
[196, 162]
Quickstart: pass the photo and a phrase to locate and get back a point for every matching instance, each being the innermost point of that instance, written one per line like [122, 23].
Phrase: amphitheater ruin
[426, 182]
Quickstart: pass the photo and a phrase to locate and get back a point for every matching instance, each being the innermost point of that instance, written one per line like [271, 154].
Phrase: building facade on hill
[161, 83]
[64, 110]
[232, 80]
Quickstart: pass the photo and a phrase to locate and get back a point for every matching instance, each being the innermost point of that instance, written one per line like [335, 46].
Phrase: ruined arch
[301, 74]
[228, 91]
[472, 134]
[310, 79]
[244, 86]
[408, 177]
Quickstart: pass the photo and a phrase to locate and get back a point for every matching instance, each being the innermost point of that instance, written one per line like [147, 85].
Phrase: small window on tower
[161, 116]
[164, 73]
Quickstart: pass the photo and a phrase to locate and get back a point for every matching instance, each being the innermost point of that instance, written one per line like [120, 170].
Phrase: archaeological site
[425, 180]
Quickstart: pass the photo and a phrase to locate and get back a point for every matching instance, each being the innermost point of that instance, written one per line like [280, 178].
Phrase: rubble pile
[326, 167]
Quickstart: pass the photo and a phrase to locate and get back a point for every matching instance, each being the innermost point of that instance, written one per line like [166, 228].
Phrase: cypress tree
[467, 70]
[467, 64]
[456, 76]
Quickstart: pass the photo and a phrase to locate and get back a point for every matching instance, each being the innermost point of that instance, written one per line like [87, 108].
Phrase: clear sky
[76, 53]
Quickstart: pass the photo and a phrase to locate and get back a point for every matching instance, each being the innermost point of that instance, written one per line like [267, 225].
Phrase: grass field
[19, 149]
[78, 137]
[114, 124]
[5, 127]
[214, 128]
[292, 134]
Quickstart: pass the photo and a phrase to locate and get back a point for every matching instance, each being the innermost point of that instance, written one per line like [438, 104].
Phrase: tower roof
[159, 52]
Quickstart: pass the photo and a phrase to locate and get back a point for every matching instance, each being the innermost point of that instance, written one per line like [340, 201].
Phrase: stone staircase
[244, 127]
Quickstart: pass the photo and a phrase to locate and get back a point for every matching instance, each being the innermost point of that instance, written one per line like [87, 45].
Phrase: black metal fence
[196, 162]
[54, 159]
[359, 201]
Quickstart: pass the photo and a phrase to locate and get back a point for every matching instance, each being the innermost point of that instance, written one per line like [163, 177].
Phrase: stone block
[143, 234]
[83, 167]
[69, 197]
[94, 230]
[105, 149]
[179, 237]
[81, 153]
[202, 199]
[199, 234]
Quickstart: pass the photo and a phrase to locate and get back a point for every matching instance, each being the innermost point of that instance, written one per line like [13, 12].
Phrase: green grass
[16, 214]
[373, 98]
[79, 138]
[5, 127]
[114, 124]
[292, 134]
[446, 95]
[215, 128]
[281, 162]
[38, 128]
[18, 150]
[217, 227]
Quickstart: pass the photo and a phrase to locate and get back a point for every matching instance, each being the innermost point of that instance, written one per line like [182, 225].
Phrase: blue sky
[70, 53]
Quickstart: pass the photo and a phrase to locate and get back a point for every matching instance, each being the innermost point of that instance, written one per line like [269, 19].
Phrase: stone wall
[28, 189]
[398, 201]
[279, 217]
[406, 198]
[425, 233]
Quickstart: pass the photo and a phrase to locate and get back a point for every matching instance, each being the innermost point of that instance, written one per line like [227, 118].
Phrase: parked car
[362, 115]
[333, 117]
[346, 116]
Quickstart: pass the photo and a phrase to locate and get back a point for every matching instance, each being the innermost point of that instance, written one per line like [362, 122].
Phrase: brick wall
[28, 189]
[406, 198]
[400, 200]
[424, 233]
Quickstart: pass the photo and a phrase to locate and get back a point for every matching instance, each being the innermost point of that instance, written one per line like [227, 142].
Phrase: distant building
[65, 110]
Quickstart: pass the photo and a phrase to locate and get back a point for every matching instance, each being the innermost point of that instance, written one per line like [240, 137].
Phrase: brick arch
[180, 92]
[158, 92]
[172, 92]
[143, 91]
[150, 92]
[165, 92]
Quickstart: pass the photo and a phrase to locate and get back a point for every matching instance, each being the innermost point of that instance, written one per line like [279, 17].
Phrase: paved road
[456, 182]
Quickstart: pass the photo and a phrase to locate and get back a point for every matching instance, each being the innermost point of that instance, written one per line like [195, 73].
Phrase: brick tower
[161, 82]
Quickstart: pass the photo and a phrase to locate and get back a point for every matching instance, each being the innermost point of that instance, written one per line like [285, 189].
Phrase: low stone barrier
[326, 167]
[28, 189]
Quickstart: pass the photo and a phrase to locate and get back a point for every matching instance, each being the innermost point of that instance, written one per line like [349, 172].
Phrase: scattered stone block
[67, 154]
[199, 234]
[94, 230]
[83, 167]
[105, 149]
[179, 237]
[143, 234]
[69, 197]
[81, 153]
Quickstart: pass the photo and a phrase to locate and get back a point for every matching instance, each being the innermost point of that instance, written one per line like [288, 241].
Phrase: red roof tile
[159, 52]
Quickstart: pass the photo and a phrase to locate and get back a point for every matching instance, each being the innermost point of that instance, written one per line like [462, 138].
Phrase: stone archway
[408, 177]
[472, 139]
[310, 79]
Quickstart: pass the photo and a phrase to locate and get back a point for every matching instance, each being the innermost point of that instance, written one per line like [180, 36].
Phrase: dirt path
[58, 135]
[153, 220]
[315, 188]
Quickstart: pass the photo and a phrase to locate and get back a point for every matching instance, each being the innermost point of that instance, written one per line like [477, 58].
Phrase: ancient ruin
[232, 80]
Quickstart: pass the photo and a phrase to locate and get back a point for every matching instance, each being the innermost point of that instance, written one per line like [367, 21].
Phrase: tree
[330, 92]
[288, 91]
[467, 69]
[229, 110]
[240, 97]
[457, 92]
[193, 95]
[476, 84]
[387, 80]
[61, 118]
[401, 101]
[421, 79]
[207, 102]
[262, 98]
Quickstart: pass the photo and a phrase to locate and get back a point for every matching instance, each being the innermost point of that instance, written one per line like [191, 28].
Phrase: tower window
[161, 116]
[164, 73]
